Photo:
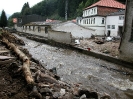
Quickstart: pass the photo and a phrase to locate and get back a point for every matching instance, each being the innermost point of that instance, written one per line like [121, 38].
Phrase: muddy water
[92, 73]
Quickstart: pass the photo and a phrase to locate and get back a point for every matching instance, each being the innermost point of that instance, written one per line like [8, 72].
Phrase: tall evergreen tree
[3, 19]
[80, 9]
[26, 9]
[89, 2]
[61, 8]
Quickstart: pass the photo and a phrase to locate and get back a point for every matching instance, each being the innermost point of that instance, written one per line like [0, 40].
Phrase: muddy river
[92, 73]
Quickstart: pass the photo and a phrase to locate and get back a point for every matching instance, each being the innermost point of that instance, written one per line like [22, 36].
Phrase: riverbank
[78, 68]
[47, 84]
[92, 52]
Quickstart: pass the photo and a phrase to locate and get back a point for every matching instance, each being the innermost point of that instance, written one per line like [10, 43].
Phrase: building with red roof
[95, 15]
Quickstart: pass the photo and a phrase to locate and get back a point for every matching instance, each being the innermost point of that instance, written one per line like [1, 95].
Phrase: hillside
[55, 9]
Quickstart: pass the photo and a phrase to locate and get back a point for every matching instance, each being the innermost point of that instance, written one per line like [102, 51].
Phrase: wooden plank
[4, 51]
[5, 57]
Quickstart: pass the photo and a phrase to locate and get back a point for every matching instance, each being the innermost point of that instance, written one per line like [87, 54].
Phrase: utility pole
[66, 8]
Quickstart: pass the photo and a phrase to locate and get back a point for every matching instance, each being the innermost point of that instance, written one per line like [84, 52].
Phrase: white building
[94, 16]
[114, 23]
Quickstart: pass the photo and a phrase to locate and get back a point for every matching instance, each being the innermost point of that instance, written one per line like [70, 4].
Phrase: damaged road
[85, 71]
[46, 84]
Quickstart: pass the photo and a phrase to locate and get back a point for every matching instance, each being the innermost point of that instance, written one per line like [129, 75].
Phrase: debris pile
[41, 83]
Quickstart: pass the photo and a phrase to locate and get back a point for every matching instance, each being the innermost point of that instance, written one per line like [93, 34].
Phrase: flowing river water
[76, 68]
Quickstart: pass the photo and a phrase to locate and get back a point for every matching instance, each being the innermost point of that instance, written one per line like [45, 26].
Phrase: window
[89, 21]
[88, 12]
[121, 17]
[113, 26]
[92, 11]
[94, 21]
[46, 29]
[39, 29]
[33, 28]
[103, 20]
[108, 26]
[85, 21]
[29, 28]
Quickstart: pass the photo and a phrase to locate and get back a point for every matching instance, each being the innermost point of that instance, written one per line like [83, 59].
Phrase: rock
[83, 96]
[69, 96]
[41, 77]
[56, 94]
[62, 92]
[105, 97]
[45, 91]
[53, 70]
[48, 97]
[35, 93]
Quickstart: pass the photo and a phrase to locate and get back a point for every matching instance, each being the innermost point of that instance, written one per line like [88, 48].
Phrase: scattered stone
[46, 91]
[62, 92]
[56, 94]
[83, 96]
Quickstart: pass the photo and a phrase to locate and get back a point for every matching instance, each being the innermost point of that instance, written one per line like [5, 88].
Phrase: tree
[3, 19]
[26, 9]
[80, 9]
[10, 19]
[61, 8]
[88, 3]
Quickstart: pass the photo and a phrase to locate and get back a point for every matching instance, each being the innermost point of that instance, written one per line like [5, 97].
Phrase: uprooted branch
[22, 56]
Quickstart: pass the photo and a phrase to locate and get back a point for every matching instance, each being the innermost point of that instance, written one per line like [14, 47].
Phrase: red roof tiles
[108, 3]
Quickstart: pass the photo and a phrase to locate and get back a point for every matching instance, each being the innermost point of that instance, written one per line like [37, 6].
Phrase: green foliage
[55, 9]
[88, 3]
[10, 19]
[26, 9]
[45, 8]
[61, 8]
[3, 19]
[80, 9]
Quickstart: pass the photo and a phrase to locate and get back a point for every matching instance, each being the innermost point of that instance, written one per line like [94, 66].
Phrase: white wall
[98, 25]
[113, 20]
[59, 36]
[35, 32]
[99, 30]
[93, 21]
[90, 12]
[76, 30]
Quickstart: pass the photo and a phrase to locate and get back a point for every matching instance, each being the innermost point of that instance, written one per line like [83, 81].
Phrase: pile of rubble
[41, 83]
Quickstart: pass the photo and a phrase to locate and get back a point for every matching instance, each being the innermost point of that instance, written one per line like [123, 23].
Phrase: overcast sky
[11, 6]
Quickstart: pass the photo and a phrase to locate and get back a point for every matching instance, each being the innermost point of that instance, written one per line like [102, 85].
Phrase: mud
[88, 72]
[47, 84]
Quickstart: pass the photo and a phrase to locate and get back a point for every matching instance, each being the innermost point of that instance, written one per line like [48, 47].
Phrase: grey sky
[11, 6]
